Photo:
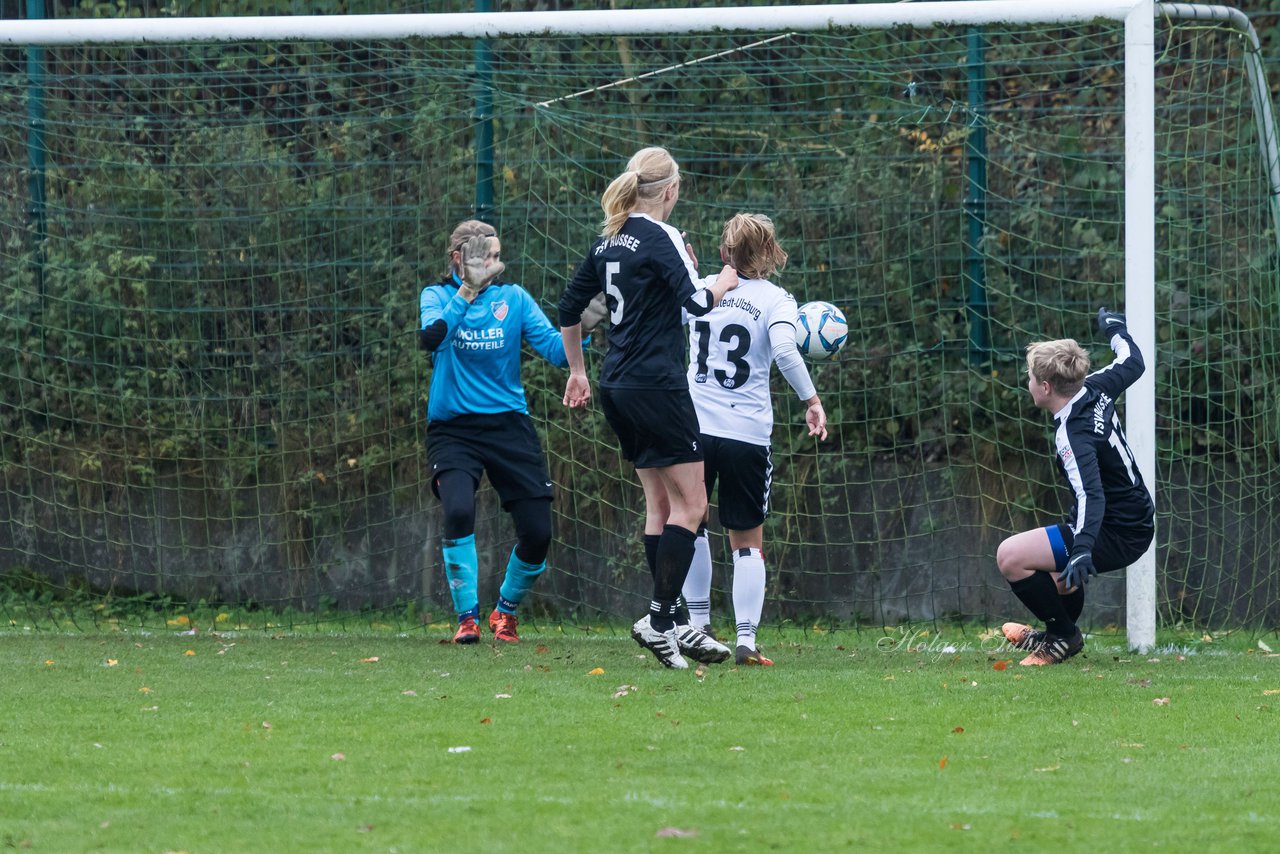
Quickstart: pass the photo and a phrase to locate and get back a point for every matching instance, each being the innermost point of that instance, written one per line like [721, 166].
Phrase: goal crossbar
[584, 22]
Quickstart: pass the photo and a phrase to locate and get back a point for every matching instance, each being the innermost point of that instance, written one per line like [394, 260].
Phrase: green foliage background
[224, 304]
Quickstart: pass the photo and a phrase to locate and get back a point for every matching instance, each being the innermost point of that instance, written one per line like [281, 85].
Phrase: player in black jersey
[647, 274]
[1113, 520]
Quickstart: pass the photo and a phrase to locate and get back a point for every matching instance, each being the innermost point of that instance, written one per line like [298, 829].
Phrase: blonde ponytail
[649, 172]
[618, 201]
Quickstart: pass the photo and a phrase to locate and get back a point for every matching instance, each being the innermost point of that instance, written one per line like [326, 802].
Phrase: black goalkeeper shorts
[1117, 546]
[503, 445]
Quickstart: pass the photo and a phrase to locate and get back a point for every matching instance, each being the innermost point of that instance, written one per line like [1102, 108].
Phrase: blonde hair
[649, 172]
[751, 246]
[1062, 364]
[463, 232]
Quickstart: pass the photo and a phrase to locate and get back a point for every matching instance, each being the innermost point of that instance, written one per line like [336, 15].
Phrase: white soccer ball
[823, 331]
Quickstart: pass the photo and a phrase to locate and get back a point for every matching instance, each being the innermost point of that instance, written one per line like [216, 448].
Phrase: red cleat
[468, 631]
[504, 626]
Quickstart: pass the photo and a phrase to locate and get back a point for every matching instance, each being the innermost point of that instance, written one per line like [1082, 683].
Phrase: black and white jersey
[1092, 452]
[646, 276]
[730, 355]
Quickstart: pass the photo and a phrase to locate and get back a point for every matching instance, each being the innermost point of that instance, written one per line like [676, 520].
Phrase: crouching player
[1113, 520]
[731, 351]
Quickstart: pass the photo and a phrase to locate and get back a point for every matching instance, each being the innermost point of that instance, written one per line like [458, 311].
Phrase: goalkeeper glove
[479, 267]
[1110, 322]
[594, 314]
[1078, 570]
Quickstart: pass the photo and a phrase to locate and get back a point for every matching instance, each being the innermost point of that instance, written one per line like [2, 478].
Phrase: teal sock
[462, 571]
[517, 582]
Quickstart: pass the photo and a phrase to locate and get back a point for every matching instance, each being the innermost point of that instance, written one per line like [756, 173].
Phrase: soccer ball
[823, 331]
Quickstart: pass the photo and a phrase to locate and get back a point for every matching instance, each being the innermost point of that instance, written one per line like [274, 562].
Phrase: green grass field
[154, 741]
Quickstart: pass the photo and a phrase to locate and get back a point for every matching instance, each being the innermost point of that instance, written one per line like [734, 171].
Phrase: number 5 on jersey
[611, 269]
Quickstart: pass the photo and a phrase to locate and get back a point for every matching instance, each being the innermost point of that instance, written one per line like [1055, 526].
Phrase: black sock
[1074, 603]
[1040, 594]
[674, 554]
[651, 552]
[662, 615]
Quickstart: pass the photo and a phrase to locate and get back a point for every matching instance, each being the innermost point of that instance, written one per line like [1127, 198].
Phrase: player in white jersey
[731, 350]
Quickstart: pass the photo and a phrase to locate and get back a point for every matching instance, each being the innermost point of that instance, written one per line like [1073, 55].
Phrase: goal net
[211, 249]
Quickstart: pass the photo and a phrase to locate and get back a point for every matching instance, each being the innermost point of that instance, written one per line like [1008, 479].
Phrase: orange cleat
[503, 626]
[1021, 636]
[1054, 650]
[749, 657]
[468, 631]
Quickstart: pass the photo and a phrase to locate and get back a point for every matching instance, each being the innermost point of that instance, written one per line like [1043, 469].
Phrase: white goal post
[1137, 17]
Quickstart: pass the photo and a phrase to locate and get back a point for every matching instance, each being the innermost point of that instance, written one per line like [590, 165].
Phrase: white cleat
[700, 646]
[665, 646]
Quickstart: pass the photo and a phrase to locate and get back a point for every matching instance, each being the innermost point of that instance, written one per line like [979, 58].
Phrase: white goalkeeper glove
[480, 266]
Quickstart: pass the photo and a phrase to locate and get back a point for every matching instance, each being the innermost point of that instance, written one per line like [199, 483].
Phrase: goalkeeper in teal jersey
[478, 421]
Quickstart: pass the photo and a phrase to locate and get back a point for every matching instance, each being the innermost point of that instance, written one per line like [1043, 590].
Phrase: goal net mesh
[211, 256]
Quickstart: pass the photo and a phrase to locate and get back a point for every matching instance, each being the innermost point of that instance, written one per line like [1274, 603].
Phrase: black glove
[1078, 570]
[1110, 322]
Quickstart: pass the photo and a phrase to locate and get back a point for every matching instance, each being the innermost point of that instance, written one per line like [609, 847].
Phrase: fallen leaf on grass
[596, 671]
[1269, 691]
[49, 662]
[409, 693]
[677, 832]
[958, 730]
[541, 649]
[1000, 665]
[700, 671]
[111, 662]
[1262, 646]
[1049, 768]
[942, 764]
[144, 690]
[372, 660]
[338, 757]
[486, 720]
[190, 652]
[266, 724]
[1161, 701]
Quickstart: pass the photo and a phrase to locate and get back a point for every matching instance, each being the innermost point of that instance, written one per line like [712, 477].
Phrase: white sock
[748, 593]
[697, 584]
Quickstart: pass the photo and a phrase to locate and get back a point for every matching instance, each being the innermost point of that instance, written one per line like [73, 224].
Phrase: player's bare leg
[679, 491]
